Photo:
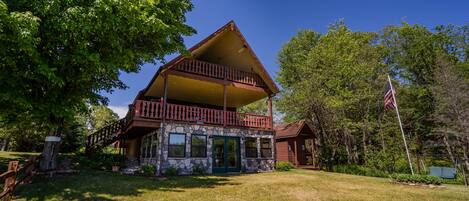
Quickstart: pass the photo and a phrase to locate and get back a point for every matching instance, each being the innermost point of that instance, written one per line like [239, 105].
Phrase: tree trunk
[464, 153]
[419, 169]
[348, 150]
[449, 149]
[364, 139]
[383, 144]
[461, 168]
[51, 151]
[6, 142]
[322, 143]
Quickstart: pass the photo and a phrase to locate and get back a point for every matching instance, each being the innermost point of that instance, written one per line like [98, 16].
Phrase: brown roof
[230, 26]
[290, 130]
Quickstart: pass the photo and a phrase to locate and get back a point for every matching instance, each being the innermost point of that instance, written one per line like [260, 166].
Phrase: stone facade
[185, 164]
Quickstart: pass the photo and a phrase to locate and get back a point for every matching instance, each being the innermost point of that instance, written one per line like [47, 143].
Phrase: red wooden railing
[154, 110]
[219, 71]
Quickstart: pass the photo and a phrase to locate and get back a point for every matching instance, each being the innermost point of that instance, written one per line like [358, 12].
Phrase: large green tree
[58, 56]
[332, 80]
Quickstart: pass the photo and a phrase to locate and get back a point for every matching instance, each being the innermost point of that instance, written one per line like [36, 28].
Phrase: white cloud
[120, 110]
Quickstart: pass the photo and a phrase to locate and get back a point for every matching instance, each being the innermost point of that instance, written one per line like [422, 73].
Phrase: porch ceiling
[203, 92]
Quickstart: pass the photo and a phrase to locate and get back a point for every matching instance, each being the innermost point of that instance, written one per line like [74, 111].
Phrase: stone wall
[186, 164]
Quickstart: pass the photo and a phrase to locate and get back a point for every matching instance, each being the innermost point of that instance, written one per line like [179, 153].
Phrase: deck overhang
[204, 90]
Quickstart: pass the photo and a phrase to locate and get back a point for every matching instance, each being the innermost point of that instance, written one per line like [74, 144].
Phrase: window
[251, 147]
[145, 146]
[199, 146]
[154, 142]
[266, 148]
[177, 145]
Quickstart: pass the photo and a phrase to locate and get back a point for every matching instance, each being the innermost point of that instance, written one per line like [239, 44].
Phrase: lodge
[188, 117]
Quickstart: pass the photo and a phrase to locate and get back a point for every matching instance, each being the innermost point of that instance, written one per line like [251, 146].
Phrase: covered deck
[146, 115]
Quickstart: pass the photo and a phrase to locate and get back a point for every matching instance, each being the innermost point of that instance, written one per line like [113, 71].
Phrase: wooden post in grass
[50, 153]
[10, 181]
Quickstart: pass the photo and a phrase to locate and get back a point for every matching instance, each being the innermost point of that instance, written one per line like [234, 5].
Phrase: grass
[291, 185]
[6, 157]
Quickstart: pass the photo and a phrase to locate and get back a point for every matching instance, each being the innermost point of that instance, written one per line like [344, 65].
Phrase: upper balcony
[218, 71]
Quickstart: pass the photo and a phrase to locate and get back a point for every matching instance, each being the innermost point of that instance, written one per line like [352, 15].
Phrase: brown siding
[282, 150]
[133, 147]
[301, 153]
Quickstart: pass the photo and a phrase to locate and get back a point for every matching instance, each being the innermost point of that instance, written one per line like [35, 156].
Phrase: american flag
[389, 101]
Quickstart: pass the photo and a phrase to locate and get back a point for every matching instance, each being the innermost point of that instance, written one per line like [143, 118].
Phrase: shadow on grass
[93, 185]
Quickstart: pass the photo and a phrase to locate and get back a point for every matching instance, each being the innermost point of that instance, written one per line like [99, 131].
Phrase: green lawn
[293, 185]
[5, 157]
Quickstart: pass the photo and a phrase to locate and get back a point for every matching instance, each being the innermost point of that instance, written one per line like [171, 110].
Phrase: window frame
[246, 147]
[170, 145]
[270, 147]
[198, 146]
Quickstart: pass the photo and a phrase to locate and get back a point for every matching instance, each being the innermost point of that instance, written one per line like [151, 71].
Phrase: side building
[296, 143]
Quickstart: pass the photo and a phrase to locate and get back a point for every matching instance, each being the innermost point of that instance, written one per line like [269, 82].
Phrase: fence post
[10, 181]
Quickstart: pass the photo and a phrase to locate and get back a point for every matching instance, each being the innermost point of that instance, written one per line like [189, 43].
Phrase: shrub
[417, 178]
[171, 171]
[198, 170]
[283, 166]
[148, 170]
[359, 170]
[98, 160]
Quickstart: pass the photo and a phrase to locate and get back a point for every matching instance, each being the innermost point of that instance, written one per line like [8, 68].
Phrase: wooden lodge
[187, 116]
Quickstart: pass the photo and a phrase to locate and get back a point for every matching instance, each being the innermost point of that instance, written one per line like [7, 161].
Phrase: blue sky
[267, 25]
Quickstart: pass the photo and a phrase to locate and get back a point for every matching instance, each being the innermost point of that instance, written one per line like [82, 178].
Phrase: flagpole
[400, 125]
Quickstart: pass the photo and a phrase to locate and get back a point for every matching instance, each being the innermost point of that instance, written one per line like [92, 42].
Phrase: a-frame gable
[210, 40]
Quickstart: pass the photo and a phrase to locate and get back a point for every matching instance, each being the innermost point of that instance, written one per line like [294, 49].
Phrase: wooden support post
[224, 105]
[163, 117]
[165, 96]
[313, 152]
[296, 153]
[271, 123]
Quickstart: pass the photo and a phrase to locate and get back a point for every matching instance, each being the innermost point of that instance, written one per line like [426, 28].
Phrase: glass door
[226, 154]
[218, 153]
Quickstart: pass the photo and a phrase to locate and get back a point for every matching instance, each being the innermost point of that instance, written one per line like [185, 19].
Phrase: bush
[98, 161]
[171, 171]
[417, 178]
[283, 166]
[198, 170]
[148, 170]
[359, 170]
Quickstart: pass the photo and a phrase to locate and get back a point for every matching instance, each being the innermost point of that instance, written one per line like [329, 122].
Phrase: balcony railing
[219, 71]
[193, 114]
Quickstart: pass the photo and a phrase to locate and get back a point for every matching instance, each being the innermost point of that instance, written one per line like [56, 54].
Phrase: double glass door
[226, 154]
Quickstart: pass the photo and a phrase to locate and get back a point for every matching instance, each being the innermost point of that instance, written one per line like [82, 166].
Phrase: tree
[452, 97]
[336, 81]
[57, 56]
[411, 53]
[333, 80]
[101, 116]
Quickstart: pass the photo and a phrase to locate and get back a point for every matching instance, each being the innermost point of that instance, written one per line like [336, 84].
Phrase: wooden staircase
[105, 136]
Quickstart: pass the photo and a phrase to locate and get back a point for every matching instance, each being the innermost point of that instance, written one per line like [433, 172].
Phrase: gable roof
[290, 130]
[230, 26]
